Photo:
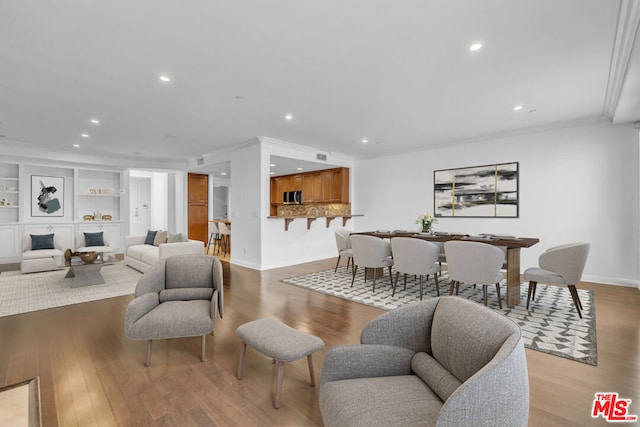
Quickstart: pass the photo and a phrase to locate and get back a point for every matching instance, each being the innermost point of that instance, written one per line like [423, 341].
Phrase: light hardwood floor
[91, 374]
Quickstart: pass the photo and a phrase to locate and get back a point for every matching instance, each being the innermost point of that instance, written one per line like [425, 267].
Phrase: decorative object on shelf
[426, 221]
[88, 257]
[47, 196]
[87, 218]
[489, 191]
[97, 216]
[107, 217]
[101, 191]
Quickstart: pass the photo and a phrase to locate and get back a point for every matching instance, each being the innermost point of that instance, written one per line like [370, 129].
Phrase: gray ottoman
[280, 342]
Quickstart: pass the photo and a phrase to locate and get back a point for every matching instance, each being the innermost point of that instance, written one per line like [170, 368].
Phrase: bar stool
[225, 237]
[214, 235]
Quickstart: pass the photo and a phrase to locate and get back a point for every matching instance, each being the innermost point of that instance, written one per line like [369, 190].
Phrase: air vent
[322, 157]
[200, 161]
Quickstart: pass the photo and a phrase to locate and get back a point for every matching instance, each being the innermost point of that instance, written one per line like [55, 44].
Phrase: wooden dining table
[513, 245]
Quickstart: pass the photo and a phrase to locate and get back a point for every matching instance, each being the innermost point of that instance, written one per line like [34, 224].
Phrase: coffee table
[84, 273]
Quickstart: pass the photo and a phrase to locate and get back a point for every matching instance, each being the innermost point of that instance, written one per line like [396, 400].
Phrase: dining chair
[474, 262]
[214, 235]
[370, 252]
[225, 238]
[560, 265]
[416, 257]
[343, 243]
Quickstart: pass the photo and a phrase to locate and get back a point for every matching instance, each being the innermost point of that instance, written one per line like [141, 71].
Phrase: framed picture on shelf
[47, 196]
[489, 191]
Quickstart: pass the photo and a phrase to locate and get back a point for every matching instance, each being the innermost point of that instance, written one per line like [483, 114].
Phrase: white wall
[578, 183]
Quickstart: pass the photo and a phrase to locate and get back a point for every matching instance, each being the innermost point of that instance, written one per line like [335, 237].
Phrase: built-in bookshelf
[9, 193]
[98, 194]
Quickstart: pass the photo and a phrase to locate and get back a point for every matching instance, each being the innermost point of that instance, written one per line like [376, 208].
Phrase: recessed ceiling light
[164, 79]
[94, 121]
[223, 173]
[364, 141]
[84, 135]
[288, 117]
[76, 145]
[272, 173]
[517, 108]
[272, 165]
[299, 168]
[475, 46]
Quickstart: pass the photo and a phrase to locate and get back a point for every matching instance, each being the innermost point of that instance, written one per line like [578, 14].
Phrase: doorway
[140, 202]
[198, 209]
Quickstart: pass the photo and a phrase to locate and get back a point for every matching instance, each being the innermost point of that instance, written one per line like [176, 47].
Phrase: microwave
[292, 197]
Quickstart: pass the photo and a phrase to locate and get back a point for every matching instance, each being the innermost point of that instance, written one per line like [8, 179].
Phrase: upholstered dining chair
[214, 235]
[343, 243]
[177, 297]
[370, 252]
[560, 265]
[476, 263]
[415, 257]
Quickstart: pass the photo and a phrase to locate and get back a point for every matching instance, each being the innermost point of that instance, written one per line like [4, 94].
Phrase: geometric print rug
[551, 325]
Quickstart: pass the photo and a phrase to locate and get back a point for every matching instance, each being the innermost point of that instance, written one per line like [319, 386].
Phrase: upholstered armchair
[445, 361]
[177, 297]
[41, 252]
[94, 242]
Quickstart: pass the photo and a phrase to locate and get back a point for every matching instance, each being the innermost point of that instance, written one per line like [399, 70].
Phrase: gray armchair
[177, 297]
[441, 362]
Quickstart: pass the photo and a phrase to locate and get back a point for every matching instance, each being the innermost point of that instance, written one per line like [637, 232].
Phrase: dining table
[511, 243]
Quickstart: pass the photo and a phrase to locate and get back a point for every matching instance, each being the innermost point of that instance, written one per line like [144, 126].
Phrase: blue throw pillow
[41, 241]
[94, 239]
[151, 236]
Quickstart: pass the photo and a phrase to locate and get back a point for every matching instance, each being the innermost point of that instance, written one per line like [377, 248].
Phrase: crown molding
[627, 28]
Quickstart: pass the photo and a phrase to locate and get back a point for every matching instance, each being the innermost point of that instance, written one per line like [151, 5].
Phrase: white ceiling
[397, 73]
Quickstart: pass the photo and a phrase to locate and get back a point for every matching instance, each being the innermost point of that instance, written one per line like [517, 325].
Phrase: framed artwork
[47, 196]
[489, 191]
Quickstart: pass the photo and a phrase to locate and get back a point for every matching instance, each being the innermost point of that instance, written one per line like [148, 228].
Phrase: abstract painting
[47, 196]
[479, 191]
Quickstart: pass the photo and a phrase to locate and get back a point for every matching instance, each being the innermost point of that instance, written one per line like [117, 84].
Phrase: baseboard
[612, 281]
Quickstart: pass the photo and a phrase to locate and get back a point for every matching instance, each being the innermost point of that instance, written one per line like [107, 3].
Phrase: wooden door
[198, 209]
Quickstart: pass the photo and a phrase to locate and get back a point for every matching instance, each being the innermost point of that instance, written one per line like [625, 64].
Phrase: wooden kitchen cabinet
[335, 186]
[327, 186]
[312, 188]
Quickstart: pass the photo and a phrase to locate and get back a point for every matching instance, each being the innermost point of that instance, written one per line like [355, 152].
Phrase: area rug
[551, 325]
[22, 293]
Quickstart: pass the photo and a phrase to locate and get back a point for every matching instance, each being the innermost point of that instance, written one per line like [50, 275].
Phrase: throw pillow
[173, 237]
[183, 238]
[151, 235]
[94, 239]
[41, 241]
[161, 237]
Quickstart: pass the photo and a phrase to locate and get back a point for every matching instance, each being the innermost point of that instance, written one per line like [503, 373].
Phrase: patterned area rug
[551, 325]
[22, 293]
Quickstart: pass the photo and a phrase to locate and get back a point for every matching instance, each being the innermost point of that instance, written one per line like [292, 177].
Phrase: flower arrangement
[426, 220]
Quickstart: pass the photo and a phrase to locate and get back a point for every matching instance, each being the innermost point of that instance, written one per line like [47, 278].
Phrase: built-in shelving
[9, 192]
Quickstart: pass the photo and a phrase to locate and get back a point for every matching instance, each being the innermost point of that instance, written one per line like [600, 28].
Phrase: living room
[575, 139]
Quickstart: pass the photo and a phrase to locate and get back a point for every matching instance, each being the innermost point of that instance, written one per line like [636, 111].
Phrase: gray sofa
[444, 361]
[142, 256]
